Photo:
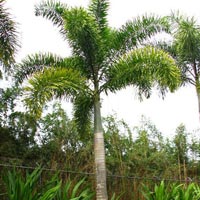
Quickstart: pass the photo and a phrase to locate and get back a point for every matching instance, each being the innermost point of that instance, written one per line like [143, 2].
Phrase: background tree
[103, 60]
[181, 149]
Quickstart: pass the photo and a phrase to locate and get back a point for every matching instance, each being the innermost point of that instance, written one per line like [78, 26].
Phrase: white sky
[39, 35]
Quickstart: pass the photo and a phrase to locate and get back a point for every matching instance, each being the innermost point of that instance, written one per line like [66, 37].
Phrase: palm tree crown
[103, 59]
[186, 49]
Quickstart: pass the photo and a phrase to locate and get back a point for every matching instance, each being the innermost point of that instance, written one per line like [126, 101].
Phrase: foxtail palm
[186, 50]
[103, 60]
[8, 37]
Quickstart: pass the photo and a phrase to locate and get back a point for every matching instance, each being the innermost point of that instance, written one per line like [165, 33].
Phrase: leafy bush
[28, 188]
[172, 192]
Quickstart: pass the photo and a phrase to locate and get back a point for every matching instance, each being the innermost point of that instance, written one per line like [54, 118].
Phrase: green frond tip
[99, 9]
[50, 9]
[144, 68]
[52, 82]
[138, 30]
[83, 34]
[53, 11]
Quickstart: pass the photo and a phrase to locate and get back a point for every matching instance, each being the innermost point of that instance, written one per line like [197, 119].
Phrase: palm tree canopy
[186, 46]
[107, 59]
[103, 59]
[8, 37]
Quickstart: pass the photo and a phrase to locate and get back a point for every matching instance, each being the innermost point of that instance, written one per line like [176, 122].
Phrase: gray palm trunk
[197, 84]
[99, 150]
[198, 97]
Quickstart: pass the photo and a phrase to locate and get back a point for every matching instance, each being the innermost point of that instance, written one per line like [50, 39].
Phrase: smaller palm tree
[185, 48]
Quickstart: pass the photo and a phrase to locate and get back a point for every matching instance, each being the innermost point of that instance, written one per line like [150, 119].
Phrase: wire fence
[115, 182]
[155, 178]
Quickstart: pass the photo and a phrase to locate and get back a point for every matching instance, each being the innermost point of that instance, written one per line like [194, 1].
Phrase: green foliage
[18, 188]
[186, 45]
[8, 37]
[62, 147]
[76, 193]
[115, 197]
[140, 152]
[36, 63]
[7, 103]
[109, 61]
[17, 129]
[160, 193]
[149, 66]
[180, 141]
[172, 192]
[52, 11]
[53, 83]
[83, 112]
[135, 32]
[101, 50]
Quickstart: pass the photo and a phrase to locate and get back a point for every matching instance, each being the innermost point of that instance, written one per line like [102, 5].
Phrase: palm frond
[53, 82]
[8, 37]
[83, 35]
[99, 9]
[165, 46]
[38, 62]
[53, 11]
[83, 109]
[144, 68]
[137, 31]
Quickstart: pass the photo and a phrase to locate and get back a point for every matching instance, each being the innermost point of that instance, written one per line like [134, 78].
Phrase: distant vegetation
[134, 156]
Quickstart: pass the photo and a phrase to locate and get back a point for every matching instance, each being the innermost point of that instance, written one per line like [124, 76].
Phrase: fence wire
[155, 178]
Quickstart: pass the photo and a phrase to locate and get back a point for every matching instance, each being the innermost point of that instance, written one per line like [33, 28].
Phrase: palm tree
[8, 38]
[186, 50]
[103, 60]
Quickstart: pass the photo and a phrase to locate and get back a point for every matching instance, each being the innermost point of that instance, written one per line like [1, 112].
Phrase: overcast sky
[39, 35]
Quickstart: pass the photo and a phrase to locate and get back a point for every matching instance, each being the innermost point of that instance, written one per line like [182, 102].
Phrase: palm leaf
[99, 8]
[83, 35]
[53, 82]
[144, 68]
[38, 62]
[83, 110]
[51, 193]
[136, 32]
[53, 11]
